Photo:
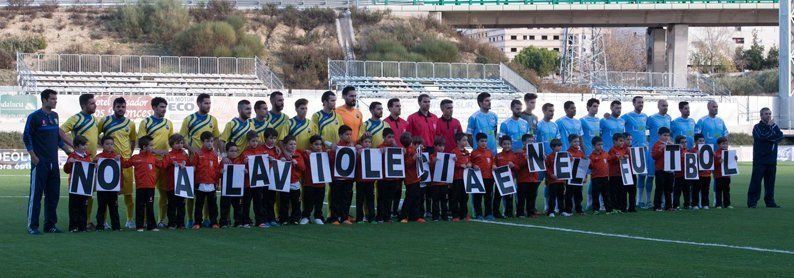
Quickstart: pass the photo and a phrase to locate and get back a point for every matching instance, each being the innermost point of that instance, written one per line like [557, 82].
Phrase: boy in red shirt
[269, 196]
[252, 196]
[573, 193]
[599, 175]
[313, 193]
[207, 172]
[438, 190]
[175, 158]
[365, 188]
[556, 186]
[723, 187]
[528, 182]
[341, 188]
[700, 188]
[619, 190]
[229, 203]
[482, 159]
[681, 185]
[459, 200]
[78, 204]
[289, 208]
[388, 189]
[108, 200]
[509, 158]
[145, 165]
[664, 180]
[410, 209]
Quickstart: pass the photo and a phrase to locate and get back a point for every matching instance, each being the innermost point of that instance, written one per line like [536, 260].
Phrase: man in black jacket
[766, 136]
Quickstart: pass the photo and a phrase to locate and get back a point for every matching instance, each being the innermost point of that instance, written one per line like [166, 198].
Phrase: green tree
[772, 58]
[541, 60]
[754, 57]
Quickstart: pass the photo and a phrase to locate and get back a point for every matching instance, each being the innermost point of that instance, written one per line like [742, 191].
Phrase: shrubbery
[11, 140]
[541, 60]
[226, 40]
[753, 83]
[11, 45]
[157, 22]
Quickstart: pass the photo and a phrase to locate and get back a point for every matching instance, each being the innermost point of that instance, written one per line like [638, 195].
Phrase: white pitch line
[708, 244]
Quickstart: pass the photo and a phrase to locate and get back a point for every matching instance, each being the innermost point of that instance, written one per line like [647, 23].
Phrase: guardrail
[133, 64]
[24, 77]
[346, 69]
[555, 2]
[515, 80]
[267, 76]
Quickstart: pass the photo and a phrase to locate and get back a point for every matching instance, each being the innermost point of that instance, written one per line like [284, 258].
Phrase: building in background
[742, 37]
[512, 40]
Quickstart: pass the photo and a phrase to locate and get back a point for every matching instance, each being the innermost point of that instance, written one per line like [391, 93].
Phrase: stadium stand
[654, 85]
[387, 78]
[134, 75]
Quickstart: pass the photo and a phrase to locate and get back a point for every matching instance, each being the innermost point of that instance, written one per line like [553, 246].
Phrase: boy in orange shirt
[681, 186]
[664, 180]
[229, 203]
[207, 172]
[459, 200]
[145, 164]
[365, 188]
[175, 158]
[78, 204]
[482, 159]
[528, 182]
[573, 193]
[438, 190]
[723, 187]
[289, 208]
[269, 196]
[313, 193]
[388, 189]
[107, 200]
[556, 186]
[509, 158]
[252, 196]
[599, 175]
[619, 190]
[700, 188]
[410, 209]
[341, 188]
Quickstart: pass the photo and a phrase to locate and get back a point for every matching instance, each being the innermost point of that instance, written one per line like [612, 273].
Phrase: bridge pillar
[786, 100]
[656, 49]
[677, 54]
[435, 15]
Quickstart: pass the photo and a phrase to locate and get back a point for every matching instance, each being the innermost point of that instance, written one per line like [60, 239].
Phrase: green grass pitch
[432, 249]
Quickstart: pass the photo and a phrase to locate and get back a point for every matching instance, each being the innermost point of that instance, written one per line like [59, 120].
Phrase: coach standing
[766, 136]
[42, 138]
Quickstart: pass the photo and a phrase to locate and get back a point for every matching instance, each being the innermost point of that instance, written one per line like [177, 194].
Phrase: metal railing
[555, 2]
[267, 76]
[347, 69]
[25, 78]
[515, 80]
[133, 64]
[632, 79]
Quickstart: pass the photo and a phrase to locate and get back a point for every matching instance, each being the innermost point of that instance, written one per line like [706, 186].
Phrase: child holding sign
[207, 173]
[289, 208]
[681, 185]
[599, 175]
[269, 196]
[723, 188]
[175, 158]
[252, 196]
[482, 159]
[365, 188]
[556, 187]
[664, 180]
[78, 204]
[573, 193]
[227, 202]
[410, 209]
[145, 164]
[505, 158]
[459, 200]
[618, 188]
[528, 182]
[341, 187]
[108, 201]
[388, 189]
[700, 188]
[439, 190]
[313, 193]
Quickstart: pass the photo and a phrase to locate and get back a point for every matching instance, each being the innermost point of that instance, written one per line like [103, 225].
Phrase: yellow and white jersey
[86, 126]
[160, 129]
[235, 131]
[195, 124]
[123, 132]
[302, 130]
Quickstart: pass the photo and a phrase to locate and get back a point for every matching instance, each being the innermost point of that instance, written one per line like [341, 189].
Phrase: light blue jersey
[609, 127]
[515, 128]
[635, 125]
[480, 122]
[684, 127]
[590, 128]
[568, 126]
[655, 122]
[546, 132]
[712, 129]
